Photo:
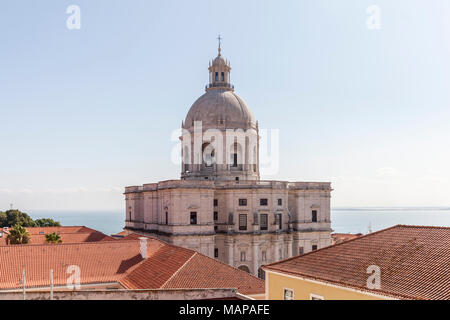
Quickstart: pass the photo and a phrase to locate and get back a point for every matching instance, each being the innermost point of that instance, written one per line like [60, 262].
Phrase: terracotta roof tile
[119, 261]
[414, 262]
[204, 272]
[69, 234]
[105, 261]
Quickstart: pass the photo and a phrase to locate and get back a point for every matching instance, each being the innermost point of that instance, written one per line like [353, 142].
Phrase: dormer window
[217, 76]
[222, 76]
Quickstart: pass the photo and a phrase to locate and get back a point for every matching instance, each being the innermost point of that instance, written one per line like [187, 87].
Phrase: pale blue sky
[83, 111]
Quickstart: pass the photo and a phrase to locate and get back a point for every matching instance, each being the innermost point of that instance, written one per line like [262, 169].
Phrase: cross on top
[220, 40]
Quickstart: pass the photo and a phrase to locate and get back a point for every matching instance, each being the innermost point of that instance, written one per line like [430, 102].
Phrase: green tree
[13, 217]
[53, 238]
[46, 222]
[18, 235]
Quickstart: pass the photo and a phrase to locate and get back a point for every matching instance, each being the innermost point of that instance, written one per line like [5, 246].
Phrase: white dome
[220, 107]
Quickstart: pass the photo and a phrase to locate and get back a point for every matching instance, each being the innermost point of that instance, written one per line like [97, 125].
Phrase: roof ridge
[421, 226]
[330, 246]
[67, 243]
[179, 269]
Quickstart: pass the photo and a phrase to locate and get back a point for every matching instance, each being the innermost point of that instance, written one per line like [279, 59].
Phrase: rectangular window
[280, 202]
[243, 222]
[242, 202]
[216, 202]
[314, 247]
[314, 216]
[300, 250]
[264, 222]
[193, 217]
[216, 216]
[222, 76]
[263, 202]
[235, 159]
[242, 256]
[167, 217]
[288, 294]
[217, 76]
[278, 221]
[216, 253]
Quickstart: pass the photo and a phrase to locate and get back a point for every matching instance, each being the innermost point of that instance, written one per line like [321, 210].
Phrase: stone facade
[220, 207]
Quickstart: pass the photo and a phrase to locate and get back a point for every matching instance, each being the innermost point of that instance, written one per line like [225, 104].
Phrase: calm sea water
[352, 220]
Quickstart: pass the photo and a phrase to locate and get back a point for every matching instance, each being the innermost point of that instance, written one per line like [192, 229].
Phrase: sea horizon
[343, 219]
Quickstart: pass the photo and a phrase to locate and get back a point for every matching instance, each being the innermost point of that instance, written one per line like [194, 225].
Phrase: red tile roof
[205, 272]
[69, 234]
[175, 267]
[105, 261]
[414, 262]
[119, 261]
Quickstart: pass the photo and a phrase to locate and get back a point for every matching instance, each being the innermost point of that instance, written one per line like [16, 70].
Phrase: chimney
[143, 247]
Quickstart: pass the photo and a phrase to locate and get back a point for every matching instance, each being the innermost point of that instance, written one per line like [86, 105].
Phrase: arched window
[244, 268]
[208, 154]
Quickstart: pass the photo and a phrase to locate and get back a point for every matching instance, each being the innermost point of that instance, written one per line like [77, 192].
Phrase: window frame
[242, 202]
[195, 218]
[279, 221]
[241, 226]
[284, 293]
[262, 201]
[266, 218]
[314, 216]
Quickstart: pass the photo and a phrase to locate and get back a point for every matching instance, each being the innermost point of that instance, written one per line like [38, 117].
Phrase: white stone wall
[250, 248]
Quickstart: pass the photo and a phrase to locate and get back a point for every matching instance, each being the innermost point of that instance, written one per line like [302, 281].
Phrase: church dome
[220, 107]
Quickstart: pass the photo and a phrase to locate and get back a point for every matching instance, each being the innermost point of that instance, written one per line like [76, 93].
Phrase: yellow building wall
[303, 289]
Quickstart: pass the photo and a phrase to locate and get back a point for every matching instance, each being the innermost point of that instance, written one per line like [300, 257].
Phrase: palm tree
[19, 235]
[53, 238]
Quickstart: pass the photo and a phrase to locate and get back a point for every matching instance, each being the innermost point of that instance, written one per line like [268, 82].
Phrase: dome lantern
[219, 72]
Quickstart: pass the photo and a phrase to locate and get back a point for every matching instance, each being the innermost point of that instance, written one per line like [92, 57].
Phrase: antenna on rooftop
[369, 228]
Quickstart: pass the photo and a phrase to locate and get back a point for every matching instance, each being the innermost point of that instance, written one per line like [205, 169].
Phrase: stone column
[255, 258]
[230, 246]
[276, 248]
[289, 244]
